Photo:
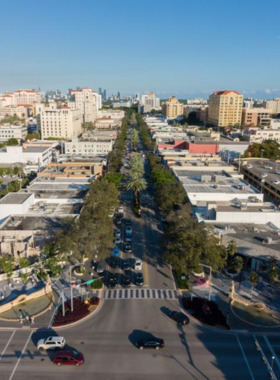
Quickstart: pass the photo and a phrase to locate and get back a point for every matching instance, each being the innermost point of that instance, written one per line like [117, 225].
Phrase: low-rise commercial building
[8, 131]
[257, 135]
[22, 111]
[88, 147]
[107, 123]
[72, 169]
[39, 156]
[111, 113]
[256, 116]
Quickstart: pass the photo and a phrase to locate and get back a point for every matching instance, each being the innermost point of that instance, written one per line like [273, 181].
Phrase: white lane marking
[272, 351]
[19, 359]
[9, 341]
[243, 353]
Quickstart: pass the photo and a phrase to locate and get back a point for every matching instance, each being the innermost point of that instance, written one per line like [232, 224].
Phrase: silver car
[101, 267]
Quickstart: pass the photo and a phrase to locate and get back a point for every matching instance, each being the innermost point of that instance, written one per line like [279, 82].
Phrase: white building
[274, 105]
[275, 124]
[256, 135]
[87, 101]
[21, 111]
[88, 147]
[150, 102]
[39, 156]
[111, 113]
[20, 97]
[15, 203]
[63, 123]
[107, 123]
[248, 103]
[199, 101]
[8, 131]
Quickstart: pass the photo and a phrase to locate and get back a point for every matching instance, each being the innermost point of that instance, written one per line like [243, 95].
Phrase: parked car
[51, 343]
[69, 358]
[128, 230]
[118, 232]
[113, 281]
[101, 267]
[138, 264]
[116, 252]
[139, 279]
[154, 343]
[120, 210]
[276, 182]
[128, 239]
[119, 219]
[264, 175]
[268, 167]
[249, 166]
[126, 264]
[117, 240]
[128, 248]
[179, 317]
[114, 262]
[126, 281]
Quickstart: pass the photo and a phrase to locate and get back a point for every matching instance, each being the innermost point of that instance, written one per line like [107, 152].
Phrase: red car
[200, 281]
[69, 358]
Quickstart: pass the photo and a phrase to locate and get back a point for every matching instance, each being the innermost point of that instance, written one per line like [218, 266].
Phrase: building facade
[87, 101]
[63, 123]
[88, 147]
[256, 116]
[150, 102]
[172, 108]
[8, 131]
[225, 108]
[20, 97]
[256, 135]
[273, 105]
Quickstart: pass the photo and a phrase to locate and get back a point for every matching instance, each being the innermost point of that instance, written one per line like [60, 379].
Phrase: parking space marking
[9, 341]
[19, 359]
[272, 351]
[245, 358]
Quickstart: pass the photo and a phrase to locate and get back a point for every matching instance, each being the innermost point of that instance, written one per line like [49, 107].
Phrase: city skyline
[188, 57]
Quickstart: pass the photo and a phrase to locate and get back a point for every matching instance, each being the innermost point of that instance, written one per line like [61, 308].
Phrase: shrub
[80, 311]
[97, 284]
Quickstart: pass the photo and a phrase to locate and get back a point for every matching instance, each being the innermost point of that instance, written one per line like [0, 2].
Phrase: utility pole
[63, 306]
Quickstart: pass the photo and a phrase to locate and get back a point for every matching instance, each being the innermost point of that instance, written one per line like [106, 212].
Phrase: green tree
[134, 137]
[12, 142]
[267, 149]
[132, 119]
[137, 184]
[253, 279]
[7, 264]
[115, 178]
[170, 194]
[273, 269]
[231, 248]
[236, 264]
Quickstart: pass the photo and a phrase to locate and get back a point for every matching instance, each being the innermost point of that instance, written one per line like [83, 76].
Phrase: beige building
[256, 116]
[21, 111]
[63, 123]
[273, 105]
[225, 108]
[172, 108]
[87, 101]
[20, 97]
[257, 135]
[9, 131]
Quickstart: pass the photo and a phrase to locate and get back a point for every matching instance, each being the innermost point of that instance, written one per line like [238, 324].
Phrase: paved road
[107, 341]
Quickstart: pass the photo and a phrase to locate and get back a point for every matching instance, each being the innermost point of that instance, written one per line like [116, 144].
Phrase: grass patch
[182, 284]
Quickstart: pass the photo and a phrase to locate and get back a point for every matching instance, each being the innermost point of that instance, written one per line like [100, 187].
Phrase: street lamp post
[71, 288]
[272, 360]
[210, 277]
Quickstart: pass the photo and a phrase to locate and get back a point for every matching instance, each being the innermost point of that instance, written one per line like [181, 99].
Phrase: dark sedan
[126, 281]
[179, 317]
[113, 281]
[126, 264]
[127, 248]
[114, 262]
[154, 343]
[139, 280]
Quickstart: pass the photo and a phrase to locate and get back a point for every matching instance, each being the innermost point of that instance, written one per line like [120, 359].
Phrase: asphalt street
[107, 339]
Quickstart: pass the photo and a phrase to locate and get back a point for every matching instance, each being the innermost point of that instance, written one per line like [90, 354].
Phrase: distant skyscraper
[104, 95]
[100, 91]
[119, 95]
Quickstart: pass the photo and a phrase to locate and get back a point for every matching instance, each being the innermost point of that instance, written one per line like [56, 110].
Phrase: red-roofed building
[225, 108]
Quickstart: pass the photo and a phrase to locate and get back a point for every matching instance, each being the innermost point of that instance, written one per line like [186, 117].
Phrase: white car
[51, 343]
[264, 175]
[249, 166]
[138, 265]
[120, 210]
[276, 182]
[267, 167]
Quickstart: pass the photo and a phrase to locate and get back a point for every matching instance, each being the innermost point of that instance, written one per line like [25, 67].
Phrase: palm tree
[137, 184]
[134, 137]
[253, 279]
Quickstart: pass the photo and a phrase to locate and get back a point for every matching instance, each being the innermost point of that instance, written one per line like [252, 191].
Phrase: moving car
[126, 264]
[154, 343]
[138, 264]
[128, 248]
[179, 317]
[113, 281]
[126, 281]
[51, 343]
[69, 358]
[139, 279]
[101, 267]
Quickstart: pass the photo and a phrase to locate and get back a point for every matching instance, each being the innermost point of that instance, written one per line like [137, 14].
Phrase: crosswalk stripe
[113, 294]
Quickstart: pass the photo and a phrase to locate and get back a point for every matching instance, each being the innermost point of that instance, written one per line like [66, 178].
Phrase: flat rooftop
[257, 208]
[15, 198]
[35, 149]
[58, 187]
[258, 167]
[41, 194]
[46, 224]
[226, 189]
[55, 208]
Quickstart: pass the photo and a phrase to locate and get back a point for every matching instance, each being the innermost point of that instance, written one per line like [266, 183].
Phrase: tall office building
[274, 105]
[119, 95]
[100, 91]
[87, 101]
[150, 102]
[63, 123]
[104, 95]
[225, 108]
[172, 108]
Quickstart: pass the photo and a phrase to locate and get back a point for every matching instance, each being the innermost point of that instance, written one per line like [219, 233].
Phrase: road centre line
[9, 341]
[245, 358]
[272, 351]
[19, 359]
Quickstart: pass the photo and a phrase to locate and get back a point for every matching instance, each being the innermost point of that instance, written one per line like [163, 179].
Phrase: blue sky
[186, 48]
